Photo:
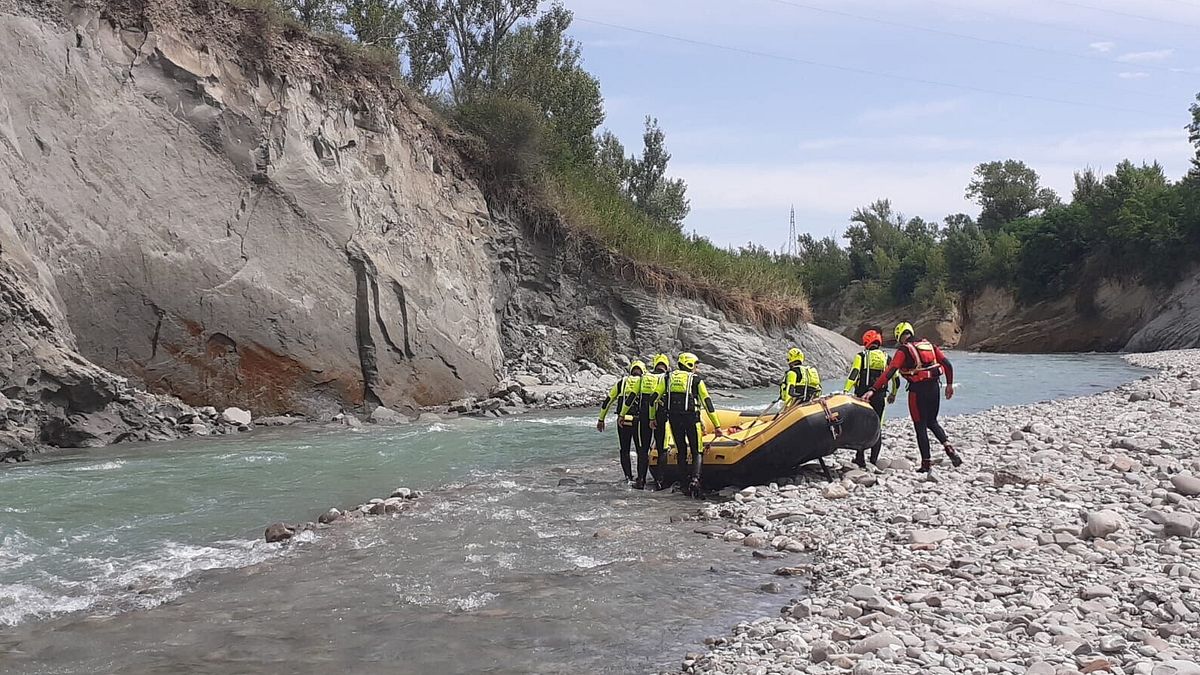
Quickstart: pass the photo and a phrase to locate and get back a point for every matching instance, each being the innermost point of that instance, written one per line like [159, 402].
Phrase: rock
[1096, 591]
[1179, 525]
[1139, 396]
[928, 537]
[1017, 435]
[875, 642]
[278, 421]
[900, 464]
[1097, 666]
[278, 532]
[1041, 668]
[1176, 667]
[329, 516]
[236, 416]
[1101, 524]
[771, 587]
[385, 415]
[862, 592]
[604, 533]
[1186, 484]
[835, 491]
[709, 530]
[756, 540]
[791, 571]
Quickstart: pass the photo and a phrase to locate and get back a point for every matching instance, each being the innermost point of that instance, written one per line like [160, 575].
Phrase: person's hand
[653, 424]
[719, 433]
[949, 392]
[891, 399]
[600, 425]
[867, 396]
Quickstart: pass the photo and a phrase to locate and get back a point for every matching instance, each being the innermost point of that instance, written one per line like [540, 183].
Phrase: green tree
[1193, 129]
[377, 23]
[663, 199]
[1006, 191]
[541, 64]
[966, 250]
[463, 42]
[612, 166]
[824, 267]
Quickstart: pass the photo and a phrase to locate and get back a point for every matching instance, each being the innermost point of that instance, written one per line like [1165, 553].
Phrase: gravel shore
[1067, 543]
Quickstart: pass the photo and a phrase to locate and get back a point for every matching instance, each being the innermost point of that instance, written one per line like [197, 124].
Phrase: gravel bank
[1066, 544]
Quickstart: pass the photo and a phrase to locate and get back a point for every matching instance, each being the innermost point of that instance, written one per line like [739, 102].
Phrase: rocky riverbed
[1067, 543]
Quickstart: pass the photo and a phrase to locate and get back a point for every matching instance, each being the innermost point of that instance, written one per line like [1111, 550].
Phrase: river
[149, 558]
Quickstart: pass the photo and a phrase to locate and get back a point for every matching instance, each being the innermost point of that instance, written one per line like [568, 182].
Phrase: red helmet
[872, 337]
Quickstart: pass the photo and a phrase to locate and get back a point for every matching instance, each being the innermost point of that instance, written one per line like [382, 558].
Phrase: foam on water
[103, 466]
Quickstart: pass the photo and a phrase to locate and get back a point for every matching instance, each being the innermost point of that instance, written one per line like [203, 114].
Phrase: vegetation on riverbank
[1134, 222]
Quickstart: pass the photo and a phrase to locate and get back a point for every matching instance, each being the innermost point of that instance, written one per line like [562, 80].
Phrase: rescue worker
[625, 395]
[651, 422]
[921, 363]
[801, 383]
[868, 365]
[684, 396]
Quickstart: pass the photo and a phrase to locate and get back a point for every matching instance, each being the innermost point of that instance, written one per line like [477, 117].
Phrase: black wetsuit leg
[687, 440]
[660, 439]
[924, 399]
[626, 434]
[642, 443]
[879, 403]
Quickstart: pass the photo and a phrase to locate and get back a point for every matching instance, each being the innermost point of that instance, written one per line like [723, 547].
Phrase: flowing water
[524, 556]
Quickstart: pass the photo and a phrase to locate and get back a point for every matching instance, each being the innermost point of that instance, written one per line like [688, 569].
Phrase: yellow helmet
[661, 360]
[688, 360]
[637, 365]
[902, 328]
[795, 355]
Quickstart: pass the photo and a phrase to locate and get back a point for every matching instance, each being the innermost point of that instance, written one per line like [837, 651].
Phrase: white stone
[236, 416]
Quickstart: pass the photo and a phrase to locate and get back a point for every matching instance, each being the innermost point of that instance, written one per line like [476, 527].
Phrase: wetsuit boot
[926, 466]
[860, 459]
[955, 458]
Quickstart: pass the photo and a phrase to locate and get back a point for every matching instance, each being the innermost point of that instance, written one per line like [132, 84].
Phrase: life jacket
[806, 387]
[922, 361]
[872, 363]
[651, 386]
[681, 393]
[630, 396]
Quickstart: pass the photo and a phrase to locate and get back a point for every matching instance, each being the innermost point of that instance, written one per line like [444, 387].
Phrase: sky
[828, 105]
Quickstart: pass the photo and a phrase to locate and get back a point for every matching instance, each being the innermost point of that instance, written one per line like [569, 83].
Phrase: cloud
[1145, 57]
[905, 112]
[1103, 46]
[1193, 69]
[1133, 76]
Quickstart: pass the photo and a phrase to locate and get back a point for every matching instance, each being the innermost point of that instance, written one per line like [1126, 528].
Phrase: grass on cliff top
[752, 285]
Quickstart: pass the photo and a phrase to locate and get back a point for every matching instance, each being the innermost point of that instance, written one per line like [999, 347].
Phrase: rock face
[229, 215]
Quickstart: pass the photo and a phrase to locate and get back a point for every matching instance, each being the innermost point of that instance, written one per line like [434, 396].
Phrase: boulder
[1186, 484]
[385, 415]
[1180, 525]
[278, 532]
[927, 537]
[329, 516]
[236, 416]
[835, 491]
[875, 642]
[1102, 523]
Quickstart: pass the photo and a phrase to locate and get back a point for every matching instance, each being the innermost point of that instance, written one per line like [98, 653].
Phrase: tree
[541, 64]
[319, 15]
[966, 250]
[463, 41]
[378, 23]
[612, 166]
[824, 267]
[663, 199]
[1193, 129]
[1006, 191]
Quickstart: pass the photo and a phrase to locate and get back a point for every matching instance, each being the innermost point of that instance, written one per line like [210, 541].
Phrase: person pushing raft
[868, 365]
[922, 364]
[626, 395]
[684, 396]
[651, 421]
[801, 383]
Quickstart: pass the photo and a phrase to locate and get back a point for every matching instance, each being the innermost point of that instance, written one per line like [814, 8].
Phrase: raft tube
[759, 450]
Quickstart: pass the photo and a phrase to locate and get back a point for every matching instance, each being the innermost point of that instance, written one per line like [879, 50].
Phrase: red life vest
[922, 359]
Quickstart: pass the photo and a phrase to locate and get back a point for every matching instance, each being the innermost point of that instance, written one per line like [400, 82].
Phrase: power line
[1127, 15]
[862, 71]
[1044, 24]
[963, 36]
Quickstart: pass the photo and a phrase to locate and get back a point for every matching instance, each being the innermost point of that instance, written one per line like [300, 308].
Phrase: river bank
[1065, 544]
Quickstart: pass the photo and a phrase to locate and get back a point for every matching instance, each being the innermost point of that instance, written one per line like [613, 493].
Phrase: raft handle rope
[833, 419]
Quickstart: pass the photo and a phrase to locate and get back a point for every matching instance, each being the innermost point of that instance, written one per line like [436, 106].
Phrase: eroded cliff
[236, 213]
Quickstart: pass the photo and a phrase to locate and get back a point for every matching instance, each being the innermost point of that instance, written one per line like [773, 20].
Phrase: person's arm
[895, 387]
[855, 371]
[608, 401]
[656, 400]
[706, 401]
[813, 389]
[785, 389]
[947, 368]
